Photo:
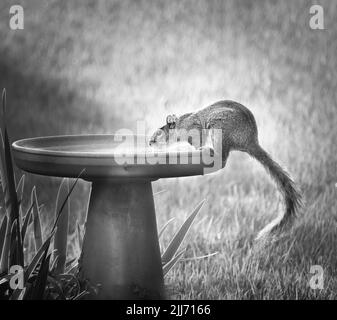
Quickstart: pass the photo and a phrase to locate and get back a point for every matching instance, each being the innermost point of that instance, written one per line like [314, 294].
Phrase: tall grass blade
[164, 227]
[8, 185]
[180, 235]
[81, 295]
[44, 248]
[19, 191]
[54, 264]
[26, 221]
[159, 192]
[168, 266]
[18, 294]
[61, 234]
[20, 187]
[3, 233]
[79, 236]
[6, 247]
[72, 269]
[39, 286]
[66, 199]
[36, 220]
[31, 244]
[201, 257]
[13, 254]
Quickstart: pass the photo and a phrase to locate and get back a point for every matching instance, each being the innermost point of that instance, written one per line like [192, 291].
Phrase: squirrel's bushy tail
[292, 197]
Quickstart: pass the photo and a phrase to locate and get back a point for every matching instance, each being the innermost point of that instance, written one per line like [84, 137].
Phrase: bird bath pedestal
[120, 250]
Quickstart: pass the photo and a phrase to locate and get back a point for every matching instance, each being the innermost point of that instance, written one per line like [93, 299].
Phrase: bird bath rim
[68, 155]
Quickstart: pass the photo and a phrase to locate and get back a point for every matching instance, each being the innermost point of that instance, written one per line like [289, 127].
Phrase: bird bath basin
[120, 248]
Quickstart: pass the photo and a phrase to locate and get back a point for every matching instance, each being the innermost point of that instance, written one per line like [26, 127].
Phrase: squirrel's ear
[171, 120]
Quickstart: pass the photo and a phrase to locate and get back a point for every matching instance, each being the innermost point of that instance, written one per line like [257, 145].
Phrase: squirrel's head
[161, 135]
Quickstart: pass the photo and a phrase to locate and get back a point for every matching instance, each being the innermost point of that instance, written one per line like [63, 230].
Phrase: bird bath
[120, 248]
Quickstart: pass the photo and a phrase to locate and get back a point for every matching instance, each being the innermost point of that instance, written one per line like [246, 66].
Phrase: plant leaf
[159, 192]
[13, 254]
[39, 286]
[8, 185]
[26, 222]
[164, 227]
[66, 199]
[168, 266]
[201, 257]
[6, 247]
[44, 248]
[3, 233]
[81, 295]
[79, 236]
[19, 191]
[180, 235]
[72, 269]
[18, 294]
[20, 188]
[54, 264]
[36, 220]
[61, 235]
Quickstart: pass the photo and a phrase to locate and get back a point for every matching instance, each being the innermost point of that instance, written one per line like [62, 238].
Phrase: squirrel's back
[237, 123]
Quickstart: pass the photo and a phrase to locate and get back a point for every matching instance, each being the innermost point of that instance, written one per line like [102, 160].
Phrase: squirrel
[239, 132]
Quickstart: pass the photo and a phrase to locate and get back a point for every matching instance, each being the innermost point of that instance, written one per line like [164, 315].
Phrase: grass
[99, 66]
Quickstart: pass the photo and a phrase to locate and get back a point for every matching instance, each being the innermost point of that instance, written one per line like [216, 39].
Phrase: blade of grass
[159, 192]
[201, 257]
[18, 294]
[81, 295]
[66, 199]
[164, 227]
[19, 192]
[5, 278]
[44, 248]
[36, 220]
[6, 247]
[40, 282]
[72, 270]
[31, 244]
[180, 235]
[168, 266]
[20, 188]
[3, 233]
[54, 264]
[13, 259]
[61, 235]
[70, 262]
[79, 236]
[8, 185]
[26, 221]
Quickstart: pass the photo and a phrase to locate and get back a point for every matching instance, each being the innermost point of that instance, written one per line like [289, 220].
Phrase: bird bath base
[120, 247]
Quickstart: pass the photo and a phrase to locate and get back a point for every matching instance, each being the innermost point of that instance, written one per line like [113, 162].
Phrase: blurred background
[97, 66]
